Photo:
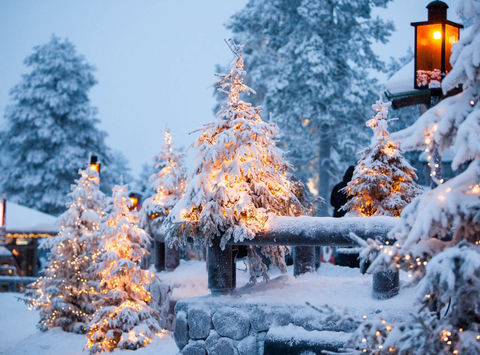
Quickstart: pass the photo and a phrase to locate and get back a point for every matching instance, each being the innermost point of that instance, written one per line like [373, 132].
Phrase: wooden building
[21, 229]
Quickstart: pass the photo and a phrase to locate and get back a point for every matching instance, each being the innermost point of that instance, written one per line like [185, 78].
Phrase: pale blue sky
[155, 58]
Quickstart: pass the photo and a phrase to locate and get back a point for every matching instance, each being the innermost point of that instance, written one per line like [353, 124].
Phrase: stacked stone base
[220, 326]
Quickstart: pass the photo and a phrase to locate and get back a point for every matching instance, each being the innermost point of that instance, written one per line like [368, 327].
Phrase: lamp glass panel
[429, 54]
[451, 36]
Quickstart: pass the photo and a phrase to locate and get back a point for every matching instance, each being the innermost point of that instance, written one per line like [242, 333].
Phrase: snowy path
[18, 335]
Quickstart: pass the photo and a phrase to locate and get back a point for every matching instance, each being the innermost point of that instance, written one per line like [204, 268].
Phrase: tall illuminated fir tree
[240, 177]
[383, 182]
[168, 182]
[124, 319]
[66, 291]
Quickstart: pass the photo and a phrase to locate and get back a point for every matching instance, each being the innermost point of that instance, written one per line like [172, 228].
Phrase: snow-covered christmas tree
[124, 319]
[168, 182]
[383, 182]
[439, 234]
[240, 176]
[50, 128]
[66, 291]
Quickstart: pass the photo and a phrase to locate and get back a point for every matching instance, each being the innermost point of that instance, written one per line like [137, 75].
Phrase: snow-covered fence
[324, 231]
[304, 233]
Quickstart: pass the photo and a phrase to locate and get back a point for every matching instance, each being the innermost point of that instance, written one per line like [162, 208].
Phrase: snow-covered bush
[125, 318]
[168, 183]
[439, 233]
[383, 181]
[66, 291]
[240, 177]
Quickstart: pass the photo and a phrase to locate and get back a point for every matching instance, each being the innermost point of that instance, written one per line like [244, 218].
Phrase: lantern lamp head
[94, 164]
[433, 45]
[135, 201]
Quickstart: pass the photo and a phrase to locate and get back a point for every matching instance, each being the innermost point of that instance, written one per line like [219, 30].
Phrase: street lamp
[94, 164]
[135, 200]
[433, 45]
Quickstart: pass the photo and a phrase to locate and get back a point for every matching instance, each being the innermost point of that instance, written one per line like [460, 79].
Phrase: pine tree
[125, 318]
[168, 182]
[439, 232]
[309, 59]
[66, 291]
[383, 182]
[240, 177]
[50, 128]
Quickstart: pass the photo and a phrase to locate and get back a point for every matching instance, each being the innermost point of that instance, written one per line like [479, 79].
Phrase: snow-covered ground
[343, 288]
[336, 286]
[19, 336]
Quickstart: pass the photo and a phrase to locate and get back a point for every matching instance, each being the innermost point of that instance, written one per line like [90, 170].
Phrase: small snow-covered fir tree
[66, 291]
[240, 176]
[168, 182]
[50, 128]
[439, 234]
[124, 319]
[383, 182]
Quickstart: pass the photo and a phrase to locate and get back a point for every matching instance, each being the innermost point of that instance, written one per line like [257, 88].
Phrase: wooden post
[318, 253]
[303, 260]
[385, 284]
[172, 258]
[220, 264]
[159, 248]
[34, 258]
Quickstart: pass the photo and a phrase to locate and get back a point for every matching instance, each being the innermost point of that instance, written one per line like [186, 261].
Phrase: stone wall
[220, 326]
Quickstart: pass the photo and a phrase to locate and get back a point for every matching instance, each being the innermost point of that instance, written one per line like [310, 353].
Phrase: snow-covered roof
[5, 252]
[21, 219]
[402, 81]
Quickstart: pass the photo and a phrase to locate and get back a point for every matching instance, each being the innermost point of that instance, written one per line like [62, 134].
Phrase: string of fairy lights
[70, 260]
[448, 337]
[165, 196]
[123, 283]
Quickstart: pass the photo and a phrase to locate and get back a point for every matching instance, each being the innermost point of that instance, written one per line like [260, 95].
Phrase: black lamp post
[433, 45]
[3, 211]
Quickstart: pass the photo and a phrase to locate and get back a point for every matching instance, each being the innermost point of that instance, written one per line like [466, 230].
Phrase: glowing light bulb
[437, 34]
